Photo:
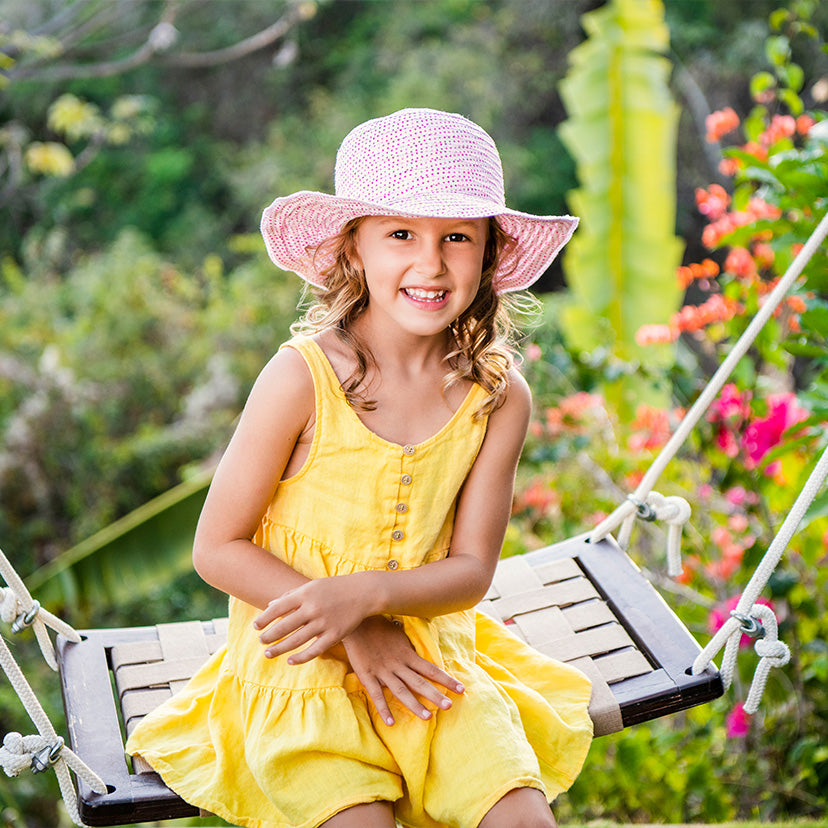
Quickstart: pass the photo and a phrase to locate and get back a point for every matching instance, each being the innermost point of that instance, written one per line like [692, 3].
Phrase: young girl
[357, 517]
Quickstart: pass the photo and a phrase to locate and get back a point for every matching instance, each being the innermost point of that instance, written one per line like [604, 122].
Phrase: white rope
[17, 607]
[771, 651]
[709, 393]
[46, 749]
[674, 510]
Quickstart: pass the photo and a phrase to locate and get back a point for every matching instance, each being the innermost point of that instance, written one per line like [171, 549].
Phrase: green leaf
[621, 131]
[792, 101]
[792, 75]
[128, 557]
[761, 82]
[777, 50]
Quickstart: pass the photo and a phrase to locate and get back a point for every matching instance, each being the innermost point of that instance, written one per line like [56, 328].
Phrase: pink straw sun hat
[415, 162]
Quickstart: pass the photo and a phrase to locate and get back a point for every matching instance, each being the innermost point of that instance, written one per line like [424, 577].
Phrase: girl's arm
[278, 412]
[318, 610]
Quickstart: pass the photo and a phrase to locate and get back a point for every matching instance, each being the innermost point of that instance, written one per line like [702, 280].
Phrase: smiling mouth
[425, 295]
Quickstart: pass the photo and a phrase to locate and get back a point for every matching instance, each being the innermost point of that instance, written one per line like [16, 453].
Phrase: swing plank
[585, 604]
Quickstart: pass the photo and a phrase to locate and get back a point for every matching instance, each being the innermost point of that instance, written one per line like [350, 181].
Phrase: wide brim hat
[417, 163]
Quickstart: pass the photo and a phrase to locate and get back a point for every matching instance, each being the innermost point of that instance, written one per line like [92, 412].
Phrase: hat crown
[417, 154]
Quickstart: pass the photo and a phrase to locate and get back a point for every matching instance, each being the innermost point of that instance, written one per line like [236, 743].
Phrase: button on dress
[265, 744]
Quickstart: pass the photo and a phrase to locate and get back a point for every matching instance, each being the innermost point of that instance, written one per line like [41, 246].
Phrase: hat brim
[295, 226]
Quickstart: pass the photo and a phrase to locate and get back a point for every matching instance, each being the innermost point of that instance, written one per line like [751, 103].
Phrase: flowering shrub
[740, 470]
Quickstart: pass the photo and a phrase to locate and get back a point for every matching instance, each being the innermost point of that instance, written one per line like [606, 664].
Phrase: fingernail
[445, 704]
[291, 661]
[425, 714]
[389, 721]
[460, 688]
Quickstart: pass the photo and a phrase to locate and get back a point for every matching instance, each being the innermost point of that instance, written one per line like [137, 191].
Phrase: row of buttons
[402, 508]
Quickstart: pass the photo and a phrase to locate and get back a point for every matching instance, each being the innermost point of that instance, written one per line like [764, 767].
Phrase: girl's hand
[323, 611]
[382, 657]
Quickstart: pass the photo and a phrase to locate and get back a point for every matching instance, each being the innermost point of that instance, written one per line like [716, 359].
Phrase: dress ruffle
[328, 737]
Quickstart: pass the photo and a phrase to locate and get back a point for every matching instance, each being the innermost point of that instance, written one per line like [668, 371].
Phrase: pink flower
[732, 405]
[738, 722]
[763, 433]
[656, 334]
[712, 202]
[533, 352]
[781, 126]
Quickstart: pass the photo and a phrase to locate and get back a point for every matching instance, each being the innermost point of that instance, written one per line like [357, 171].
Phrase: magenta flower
[764, 433]
[721, 612]
[738, 722]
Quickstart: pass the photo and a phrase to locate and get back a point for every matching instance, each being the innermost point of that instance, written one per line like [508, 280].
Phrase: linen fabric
[414, 162]
[265, 744]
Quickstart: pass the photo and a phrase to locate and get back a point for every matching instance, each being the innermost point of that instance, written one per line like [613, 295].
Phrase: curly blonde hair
[483, 348]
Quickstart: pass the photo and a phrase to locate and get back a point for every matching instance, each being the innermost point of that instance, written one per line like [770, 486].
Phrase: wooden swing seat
[586, 604]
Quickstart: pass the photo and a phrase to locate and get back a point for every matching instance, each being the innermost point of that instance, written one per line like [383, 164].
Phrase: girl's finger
[291, 642]
[374, 690]
[277, 608]
[433, 673]
[426, 690]
[319, 646]
[400, 691]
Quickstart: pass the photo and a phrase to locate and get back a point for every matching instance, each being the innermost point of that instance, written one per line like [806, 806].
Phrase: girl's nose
[429, 261]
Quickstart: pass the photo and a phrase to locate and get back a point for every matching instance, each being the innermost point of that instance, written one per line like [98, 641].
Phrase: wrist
[371, 592]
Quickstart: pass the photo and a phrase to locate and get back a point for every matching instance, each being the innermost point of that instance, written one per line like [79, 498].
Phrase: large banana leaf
[621, 131]
[125, 559]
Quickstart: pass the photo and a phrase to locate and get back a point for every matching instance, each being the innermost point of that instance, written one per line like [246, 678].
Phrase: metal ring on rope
[751, 625]
[643, 510]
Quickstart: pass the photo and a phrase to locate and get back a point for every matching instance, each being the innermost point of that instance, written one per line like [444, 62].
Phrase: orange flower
[763, 254]
[729, 166]
[804, 124]
[740, 263]
[756, 150]
[720, 123]
[796, 304]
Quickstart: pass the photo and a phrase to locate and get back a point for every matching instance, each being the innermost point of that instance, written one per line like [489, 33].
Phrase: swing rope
[649, 505]
[771, 651]
[46, 749]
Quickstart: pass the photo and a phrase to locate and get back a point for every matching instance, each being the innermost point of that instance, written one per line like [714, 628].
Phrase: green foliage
[621, 131]
[135, 369]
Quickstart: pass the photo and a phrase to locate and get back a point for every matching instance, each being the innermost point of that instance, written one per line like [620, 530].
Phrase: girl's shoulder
[516, 401]
[285, 382]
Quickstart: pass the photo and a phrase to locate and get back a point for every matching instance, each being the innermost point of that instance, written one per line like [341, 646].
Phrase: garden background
[139, 142]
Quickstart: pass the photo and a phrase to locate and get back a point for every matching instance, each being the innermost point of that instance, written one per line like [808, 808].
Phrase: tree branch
[199, 60]
[158, 41]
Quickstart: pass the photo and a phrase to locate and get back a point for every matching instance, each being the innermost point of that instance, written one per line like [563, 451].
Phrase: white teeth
[427, 295]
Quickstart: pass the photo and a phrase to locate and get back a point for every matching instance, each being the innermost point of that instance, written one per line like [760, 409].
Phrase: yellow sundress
[265, 744]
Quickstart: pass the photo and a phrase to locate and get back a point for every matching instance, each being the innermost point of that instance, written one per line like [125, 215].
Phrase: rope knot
[18, 752]
[777, 652]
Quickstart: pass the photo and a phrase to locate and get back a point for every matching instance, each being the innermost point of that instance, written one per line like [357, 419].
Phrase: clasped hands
[326, 611]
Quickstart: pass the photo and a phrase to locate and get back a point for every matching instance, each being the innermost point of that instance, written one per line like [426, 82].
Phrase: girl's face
[421, 273]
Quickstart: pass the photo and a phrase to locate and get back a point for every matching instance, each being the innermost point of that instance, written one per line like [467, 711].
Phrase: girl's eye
[401, 234]
[457, 237]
